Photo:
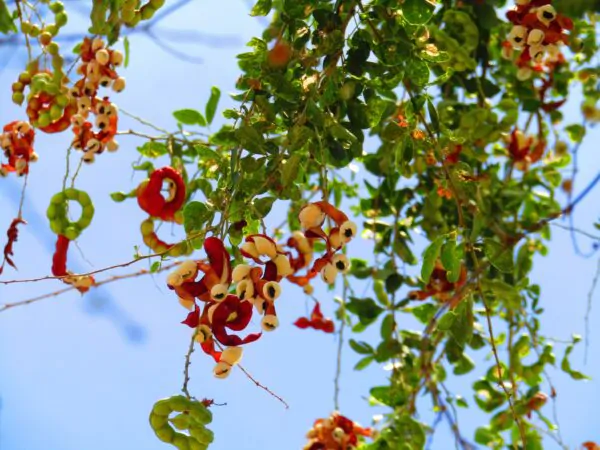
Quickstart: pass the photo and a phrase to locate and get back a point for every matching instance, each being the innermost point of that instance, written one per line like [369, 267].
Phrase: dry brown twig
[112, 279]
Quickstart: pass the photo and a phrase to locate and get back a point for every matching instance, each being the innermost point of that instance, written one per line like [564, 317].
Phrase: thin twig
[188, 362]
[588, 312]
[338, 367]
[257, 383]
[112, 279]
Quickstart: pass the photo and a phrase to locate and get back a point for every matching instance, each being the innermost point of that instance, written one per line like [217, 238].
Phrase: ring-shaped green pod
[193, 416]
[57, 213]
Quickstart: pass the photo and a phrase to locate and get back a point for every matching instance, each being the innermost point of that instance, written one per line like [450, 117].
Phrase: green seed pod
[51, 212]
[162, 407]
[165, 434]
[179, 403]
[118, 196]
[17, 86]
[56, 112]
[202, 435]
[181, 421]
[157, 421]
[195, 445]
[83, 198]
[200, 413]
[87, 212]
[53, 48]
[147, 12]
[56, 226]
[147, 227]
[62, 100]
[71, 194]
[72, 232]
[57, 199]
[57, 7]
[25, 78]
[34, 31]
[61, 19]
[26, 27]
[18, 98]
[44, 120]
[181, 441]
[157, 4]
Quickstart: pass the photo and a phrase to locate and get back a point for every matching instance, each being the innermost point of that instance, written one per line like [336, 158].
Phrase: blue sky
[82, 373]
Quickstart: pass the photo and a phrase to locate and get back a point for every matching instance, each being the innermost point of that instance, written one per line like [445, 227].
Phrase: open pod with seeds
[317, 321]
[98, 68]
[312, 217]
[337, 432]
[16, 142]
[438, 286]
[157, 245]
[525, 150]
[538, 32]
[151, 199]
[303, 247]
[82, 283]
[214, 284]
[106, 120]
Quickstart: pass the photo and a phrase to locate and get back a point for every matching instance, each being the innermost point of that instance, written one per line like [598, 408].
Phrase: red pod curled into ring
[151, 199]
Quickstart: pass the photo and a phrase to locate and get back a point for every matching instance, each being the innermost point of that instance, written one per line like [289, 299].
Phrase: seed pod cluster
[193, 418]
[206, 286]
[335, 433]
[16, 142]
[538, 33]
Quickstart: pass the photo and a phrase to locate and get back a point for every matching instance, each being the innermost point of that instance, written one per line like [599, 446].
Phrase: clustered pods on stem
[438, 286]
[208, 283]
[538, 33]
[17, 146]
[525, 150]
[98, 69]
[317, 321]
[204, 286]
[335, 433]
[151, 200]
[193, 417]
[312, 218]
[68, 231]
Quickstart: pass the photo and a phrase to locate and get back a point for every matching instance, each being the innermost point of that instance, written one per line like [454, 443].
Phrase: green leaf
[127, 52]
[392, 396]
[251, 139]
[433, 115]
[190, 117]
[430, 256]
[341, 132]
[118, 196]
[565, 365]
[451, 260]
[211, 105]
[365, 309]
[361, 348]
[153, 149]
[155, 266]
[424, 312]
[576, 132]
[417, 12]
[263, 205]
[387, 327]
[446, 321]
[289, 172]
[462, 327]
[500, 257]
[261, 8]
[195, 216]
[7, 23]
[363, 363]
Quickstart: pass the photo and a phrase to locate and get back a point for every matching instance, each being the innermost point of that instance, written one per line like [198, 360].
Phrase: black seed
[518, 39]
[547, 15]
[348, 233]
[271, 291]
[340, 265]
